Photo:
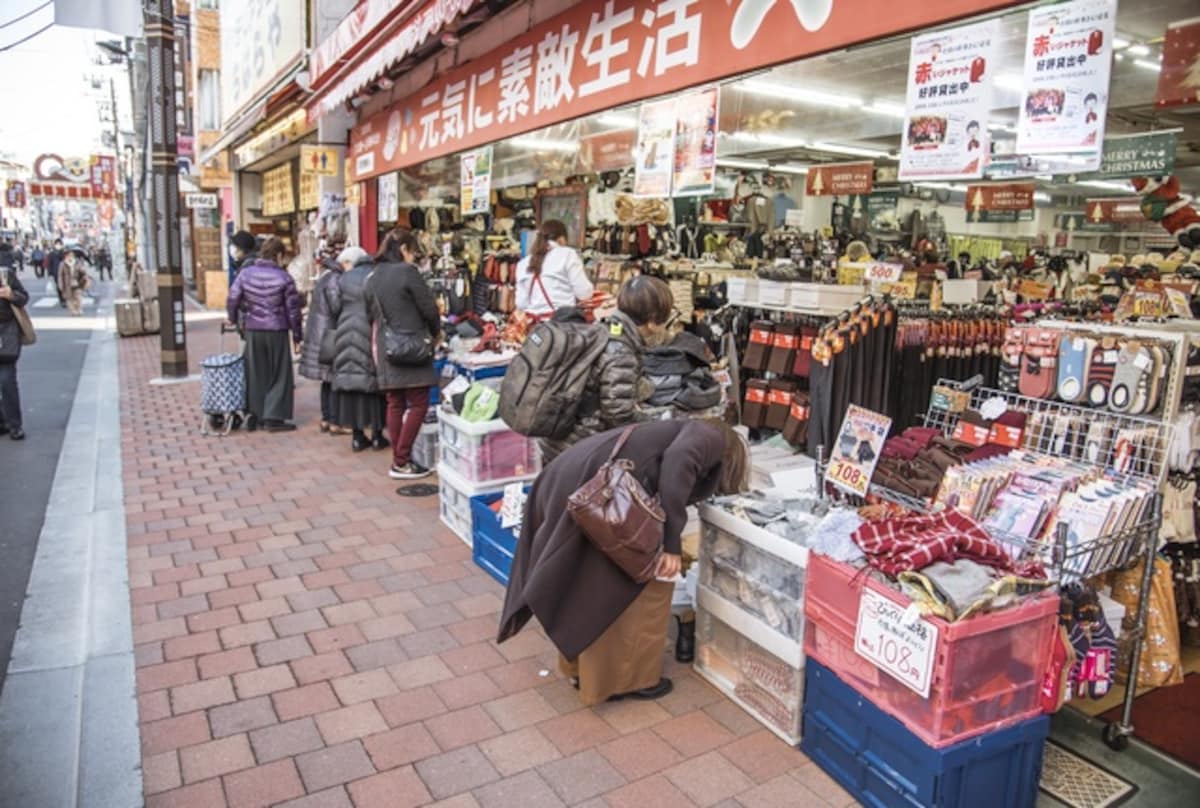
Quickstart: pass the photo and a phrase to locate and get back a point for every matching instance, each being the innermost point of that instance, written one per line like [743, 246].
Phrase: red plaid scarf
[908, 543]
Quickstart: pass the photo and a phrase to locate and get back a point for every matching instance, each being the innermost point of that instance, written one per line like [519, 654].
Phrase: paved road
[48, 375]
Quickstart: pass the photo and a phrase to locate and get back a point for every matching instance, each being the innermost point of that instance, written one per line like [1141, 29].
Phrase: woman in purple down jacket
[265, 293]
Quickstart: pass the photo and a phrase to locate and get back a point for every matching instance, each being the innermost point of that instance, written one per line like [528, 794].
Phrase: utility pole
[164, 161]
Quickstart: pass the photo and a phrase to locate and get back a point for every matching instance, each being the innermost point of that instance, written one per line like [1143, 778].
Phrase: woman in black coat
[357, 404]
[317, 353]
[612, 631]
[12, 295]
[401, 301]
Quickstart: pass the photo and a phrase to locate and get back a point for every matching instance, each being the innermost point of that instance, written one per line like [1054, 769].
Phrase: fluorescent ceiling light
[857, 151]
[544, 144]
[889, 108]
[790, 168]
[1039, 196]
[1011, 81]
[1106, 186]
[1144, 65]
[730, 162]
[1139, 50]
[1120, 57]
[773, 90]
[1120, 42]
[616, 119]
[768, 139]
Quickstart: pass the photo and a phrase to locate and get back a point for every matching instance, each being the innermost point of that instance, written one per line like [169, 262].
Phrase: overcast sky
[46, 103]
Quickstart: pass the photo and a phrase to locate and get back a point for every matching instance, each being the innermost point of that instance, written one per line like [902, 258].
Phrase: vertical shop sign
[14, 194]
[259, 40]
[696, 133]
[389, 197]
[1179, 79]
[840, 179]
[476, 191]
[655, 156]
[949, 99]
[1064, 96]
[859, 444]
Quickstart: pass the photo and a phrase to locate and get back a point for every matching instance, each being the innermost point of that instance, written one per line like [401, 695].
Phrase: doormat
[1079, 783]
[418, 490]
[1165, 718]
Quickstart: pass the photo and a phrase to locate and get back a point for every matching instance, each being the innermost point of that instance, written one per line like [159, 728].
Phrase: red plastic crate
[987, 671]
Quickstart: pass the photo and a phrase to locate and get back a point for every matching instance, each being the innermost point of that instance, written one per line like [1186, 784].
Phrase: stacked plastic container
[749, 619]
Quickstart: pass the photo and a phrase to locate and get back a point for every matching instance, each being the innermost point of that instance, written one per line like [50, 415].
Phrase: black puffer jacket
[615, 389]
[353, 363]
[400, 299]
[10, 332]
[319, 322]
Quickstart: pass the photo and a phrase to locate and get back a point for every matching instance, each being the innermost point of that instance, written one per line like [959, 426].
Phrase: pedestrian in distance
[403, 309]
[264, 299]
[357, 404]
[316, 357]
[72, 281]
[53, 262]
[38, 259]
[12, 296]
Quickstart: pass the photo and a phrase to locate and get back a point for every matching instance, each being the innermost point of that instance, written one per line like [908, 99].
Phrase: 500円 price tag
[902, 647]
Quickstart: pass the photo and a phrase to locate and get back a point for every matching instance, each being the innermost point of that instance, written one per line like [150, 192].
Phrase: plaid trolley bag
[222, 390]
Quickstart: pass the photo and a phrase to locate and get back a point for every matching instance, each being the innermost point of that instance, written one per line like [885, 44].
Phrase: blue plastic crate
[435, 395]
[492, 546]
[881, 763]
[479, 374]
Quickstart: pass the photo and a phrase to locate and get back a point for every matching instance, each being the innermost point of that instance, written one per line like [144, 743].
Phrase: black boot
[685, 643]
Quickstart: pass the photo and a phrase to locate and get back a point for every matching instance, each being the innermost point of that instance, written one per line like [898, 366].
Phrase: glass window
[208, 108]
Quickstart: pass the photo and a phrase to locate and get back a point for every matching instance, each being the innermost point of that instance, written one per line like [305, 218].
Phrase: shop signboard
[945, 132]
[1119, 210]
[103, 175]
[353, 194]
[1146, 155]
[260, 40]
[1009, 196]
[14, 194]
[697, 116]
[319, 160]
[655, 154]
[389, 197]
[476, 191]
[1179, 78]
[858, 447]
[194, 201]
[897, 639]
[277, 194]
[1064, 96]
[602, 55]
[1078, 222]
[999, 216]
[840, 179]
[608, 151]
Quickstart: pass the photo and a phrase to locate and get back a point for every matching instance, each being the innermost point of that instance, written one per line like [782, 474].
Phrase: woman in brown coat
[612, 631]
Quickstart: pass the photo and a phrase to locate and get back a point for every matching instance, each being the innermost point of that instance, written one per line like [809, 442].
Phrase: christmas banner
[476, 190]
[950, 75]
[1011, 196]
[1078, 221]
[655, 149]
[1179, 79]
[1119, 210]
[696, 143]
[840, 179]
[1126, 156]
[1068, 58]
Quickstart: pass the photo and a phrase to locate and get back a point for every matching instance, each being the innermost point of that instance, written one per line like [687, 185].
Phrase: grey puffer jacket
[615, 390]
[319, 323]
[268, 296]
[353, 363]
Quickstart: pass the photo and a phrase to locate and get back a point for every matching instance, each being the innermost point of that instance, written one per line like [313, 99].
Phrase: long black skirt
[360, 411]
[270, 386]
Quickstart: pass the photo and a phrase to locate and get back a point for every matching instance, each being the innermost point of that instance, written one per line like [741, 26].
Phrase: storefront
[854, 209]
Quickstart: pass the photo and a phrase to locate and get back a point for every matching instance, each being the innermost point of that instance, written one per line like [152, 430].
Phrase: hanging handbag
[407, 348]
[619, 517]
[24, 323]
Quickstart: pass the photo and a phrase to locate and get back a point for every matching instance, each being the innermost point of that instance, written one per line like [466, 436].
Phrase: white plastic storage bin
[425, 449]
[486, 452]
[742, 290]
[764, 586]
[454, 500]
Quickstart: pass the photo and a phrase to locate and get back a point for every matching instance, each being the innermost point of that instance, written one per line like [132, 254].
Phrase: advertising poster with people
[696, 143]
[476, 185]
[655, 149]
[950, 73]
[1068, 58]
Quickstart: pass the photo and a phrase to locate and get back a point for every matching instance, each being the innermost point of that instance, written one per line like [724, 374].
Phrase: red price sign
[902, 646]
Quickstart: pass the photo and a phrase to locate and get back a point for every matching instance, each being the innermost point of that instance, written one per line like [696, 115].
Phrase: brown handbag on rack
[619, 517]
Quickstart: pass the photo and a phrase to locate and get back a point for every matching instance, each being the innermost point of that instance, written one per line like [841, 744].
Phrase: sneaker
[409, 471]
[17, 434]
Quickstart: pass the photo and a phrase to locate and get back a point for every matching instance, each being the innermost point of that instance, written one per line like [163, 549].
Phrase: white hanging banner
[655, 149]
[950, 76]
[389, 197]
[1068, 61]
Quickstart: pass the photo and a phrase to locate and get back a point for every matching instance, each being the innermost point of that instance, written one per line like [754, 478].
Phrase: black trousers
[10, 396]
[326, 401]
[270, 385]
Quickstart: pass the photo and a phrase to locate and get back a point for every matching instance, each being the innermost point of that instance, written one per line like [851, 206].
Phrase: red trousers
[406, 410]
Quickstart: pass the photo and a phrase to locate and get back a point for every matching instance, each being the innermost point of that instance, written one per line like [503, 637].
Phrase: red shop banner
[600, 55]
[1011, 196]
[1179, 79]
[1120, 209]
[840, 179]
[14, 194]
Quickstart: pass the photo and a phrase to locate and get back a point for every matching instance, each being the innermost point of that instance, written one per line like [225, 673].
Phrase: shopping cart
[222, 389]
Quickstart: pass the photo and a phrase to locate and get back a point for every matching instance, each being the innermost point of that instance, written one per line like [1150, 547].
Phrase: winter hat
[244, 241]
[352, 256]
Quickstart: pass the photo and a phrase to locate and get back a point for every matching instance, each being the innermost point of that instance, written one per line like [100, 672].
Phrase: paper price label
[884, 273]
[905, 650]
[848, 476]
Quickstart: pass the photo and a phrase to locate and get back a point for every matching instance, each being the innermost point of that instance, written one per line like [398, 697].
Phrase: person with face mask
[72, 280]
[243, 249]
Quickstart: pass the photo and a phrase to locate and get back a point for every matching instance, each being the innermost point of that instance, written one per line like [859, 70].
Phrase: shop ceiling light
[768, 139]
[772, 90]
[889, 108]
[857, 151]
[616, 119]
[544, 144]
[1147, 65]
[1040, 196]
[750, 165]
[1106, 186]
[790, 168]
[1011, 81]
[1139, 50]
[1120, 42]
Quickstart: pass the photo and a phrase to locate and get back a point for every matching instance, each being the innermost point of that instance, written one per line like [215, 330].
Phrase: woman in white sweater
[552, 275]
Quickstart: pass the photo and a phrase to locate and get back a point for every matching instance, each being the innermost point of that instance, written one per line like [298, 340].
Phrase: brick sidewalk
[305, 637]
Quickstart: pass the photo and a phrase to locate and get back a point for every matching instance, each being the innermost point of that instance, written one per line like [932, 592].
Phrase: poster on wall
[655, 161]
[1068, 59]
[476, 190]
[696, 143]
[389, 197]
[945, 133]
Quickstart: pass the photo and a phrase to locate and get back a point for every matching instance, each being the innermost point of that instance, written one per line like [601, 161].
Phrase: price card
[513, 508]
[903, 648]
[772, 293]
[879, 272]
[859, 444]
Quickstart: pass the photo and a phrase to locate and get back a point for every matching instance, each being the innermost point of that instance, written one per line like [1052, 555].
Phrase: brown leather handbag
[619, 517]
